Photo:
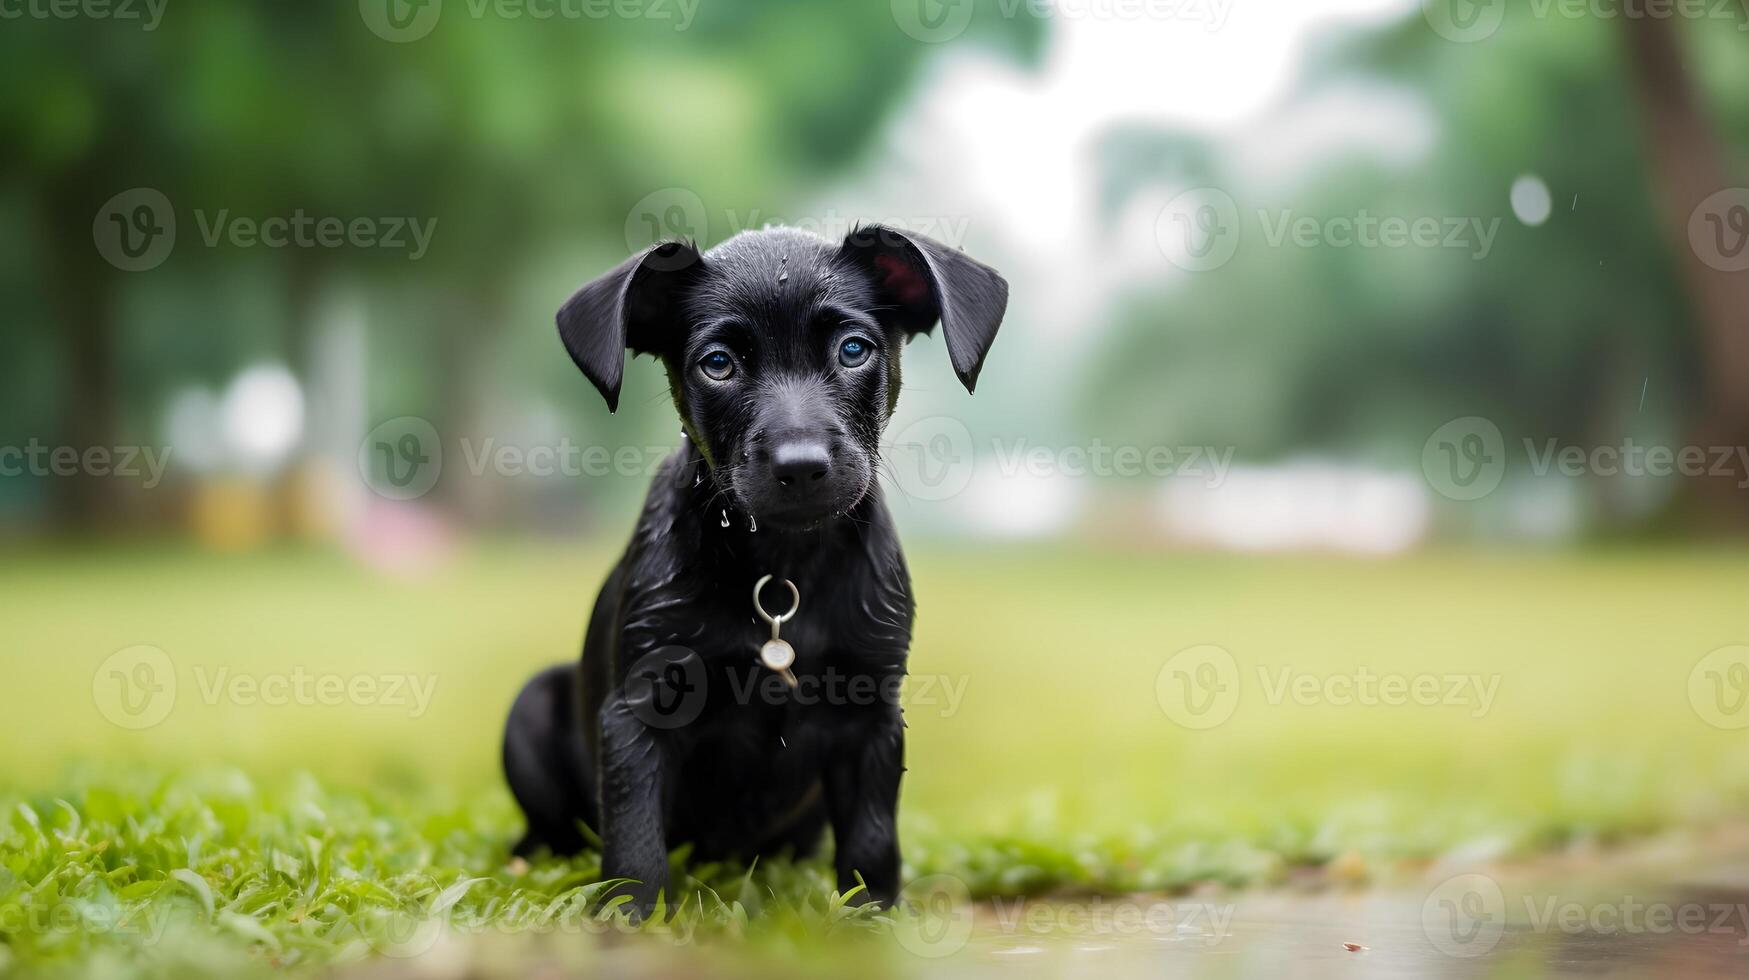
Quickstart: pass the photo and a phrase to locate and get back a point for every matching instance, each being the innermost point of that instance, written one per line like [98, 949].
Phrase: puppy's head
[782, 351]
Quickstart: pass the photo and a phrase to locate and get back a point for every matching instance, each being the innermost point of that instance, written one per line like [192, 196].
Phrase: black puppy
[782, 353]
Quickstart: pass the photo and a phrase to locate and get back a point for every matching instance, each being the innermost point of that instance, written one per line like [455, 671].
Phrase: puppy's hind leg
[547, 763]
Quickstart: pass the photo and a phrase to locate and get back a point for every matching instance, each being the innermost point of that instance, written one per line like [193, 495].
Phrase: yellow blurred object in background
[232, 514]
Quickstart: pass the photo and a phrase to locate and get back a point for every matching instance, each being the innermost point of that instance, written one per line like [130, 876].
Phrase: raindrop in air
[1531, 201]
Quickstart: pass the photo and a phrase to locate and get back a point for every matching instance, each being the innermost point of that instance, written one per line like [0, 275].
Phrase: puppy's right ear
[635, 306]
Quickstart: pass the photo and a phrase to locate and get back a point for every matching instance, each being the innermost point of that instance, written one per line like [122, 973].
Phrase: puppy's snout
[797, 463]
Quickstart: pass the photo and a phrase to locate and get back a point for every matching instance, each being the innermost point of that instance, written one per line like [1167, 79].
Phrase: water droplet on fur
[725, 518]
[698, 478]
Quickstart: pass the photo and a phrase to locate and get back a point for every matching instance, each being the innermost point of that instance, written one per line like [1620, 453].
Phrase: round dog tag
[777, 654]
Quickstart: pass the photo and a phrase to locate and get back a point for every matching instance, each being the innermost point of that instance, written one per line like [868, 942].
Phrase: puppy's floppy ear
[920, 281]
[636, 306]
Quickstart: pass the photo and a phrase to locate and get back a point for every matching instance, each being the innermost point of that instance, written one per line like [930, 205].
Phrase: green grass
[237, 835]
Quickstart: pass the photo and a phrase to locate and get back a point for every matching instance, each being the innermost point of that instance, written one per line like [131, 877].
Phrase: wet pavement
[1654, 917]
[1461, 924]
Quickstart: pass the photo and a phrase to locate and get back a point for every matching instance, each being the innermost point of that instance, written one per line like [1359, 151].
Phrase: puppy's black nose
[797, 463]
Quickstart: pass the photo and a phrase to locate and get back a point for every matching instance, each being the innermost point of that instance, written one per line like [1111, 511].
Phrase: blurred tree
[1688, 166]
[1357, 352]
[524, 137]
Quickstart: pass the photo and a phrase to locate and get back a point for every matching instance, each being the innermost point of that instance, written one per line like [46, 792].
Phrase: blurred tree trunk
[1687, 166]
[83, 295]
[472, 320]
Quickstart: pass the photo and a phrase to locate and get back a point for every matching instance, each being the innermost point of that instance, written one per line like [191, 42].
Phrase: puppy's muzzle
[800, 465]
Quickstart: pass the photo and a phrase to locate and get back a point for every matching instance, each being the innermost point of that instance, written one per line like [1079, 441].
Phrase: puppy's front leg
[634, 764]
[862, 798]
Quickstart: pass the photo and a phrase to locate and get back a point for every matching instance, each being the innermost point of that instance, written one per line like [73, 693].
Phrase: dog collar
[777, 654]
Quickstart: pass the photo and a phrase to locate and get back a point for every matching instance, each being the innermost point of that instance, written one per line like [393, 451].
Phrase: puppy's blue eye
[854, 352]
[717, 365]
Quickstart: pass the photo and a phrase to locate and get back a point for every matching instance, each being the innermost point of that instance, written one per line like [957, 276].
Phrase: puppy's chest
[829, 634]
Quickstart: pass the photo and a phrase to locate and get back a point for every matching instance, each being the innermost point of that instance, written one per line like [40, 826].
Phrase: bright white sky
[1008, 154]
[1009, 151]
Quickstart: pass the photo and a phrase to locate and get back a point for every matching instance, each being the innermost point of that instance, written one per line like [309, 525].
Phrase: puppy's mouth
[795, 518]
[766, 510]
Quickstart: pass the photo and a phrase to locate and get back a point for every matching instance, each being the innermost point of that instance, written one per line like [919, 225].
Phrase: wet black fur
[669, 732]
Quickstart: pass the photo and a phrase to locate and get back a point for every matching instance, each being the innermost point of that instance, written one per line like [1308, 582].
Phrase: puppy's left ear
[919, 281]
[635, 306]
